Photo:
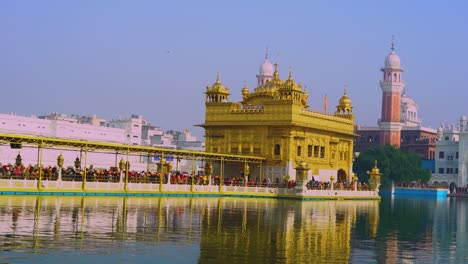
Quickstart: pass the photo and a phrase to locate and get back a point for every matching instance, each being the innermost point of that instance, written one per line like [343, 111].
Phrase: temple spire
[393, 43]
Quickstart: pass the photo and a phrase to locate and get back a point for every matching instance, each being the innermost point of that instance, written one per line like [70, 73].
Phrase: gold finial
[217, 77]
[266, 53]
[345, 87]
[393, 42]
[245, 85]
[276, 74]
[375, 170]
[290, 72]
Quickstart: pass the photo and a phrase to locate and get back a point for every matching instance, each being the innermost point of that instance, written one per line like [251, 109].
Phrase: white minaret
[390, 122]
[266, 71]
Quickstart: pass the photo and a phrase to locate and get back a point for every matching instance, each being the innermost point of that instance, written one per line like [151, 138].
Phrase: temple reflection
[254, 228]
[285, 231]
[243, 230]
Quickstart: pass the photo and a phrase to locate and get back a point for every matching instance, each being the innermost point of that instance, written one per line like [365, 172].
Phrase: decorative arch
[342, 177]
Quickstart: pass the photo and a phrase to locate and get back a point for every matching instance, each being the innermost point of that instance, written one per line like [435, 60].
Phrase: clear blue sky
[114, 58]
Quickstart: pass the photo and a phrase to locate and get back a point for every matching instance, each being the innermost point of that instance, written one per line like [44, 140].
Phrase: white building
[451, 163]
[133, 131]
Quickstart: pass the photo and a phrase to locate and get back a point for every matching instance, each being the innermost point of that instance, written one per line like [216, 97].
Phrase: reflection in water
[213, 230]
[252, 230]
[423, 231]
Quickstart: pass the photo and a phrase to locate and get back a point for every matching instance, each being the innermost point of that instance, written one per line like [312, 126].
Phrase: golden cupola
[344, 105]
[217, 86]
[290, 84]
[217, 93]
[276, 79]
[245, 91]
[267, 91]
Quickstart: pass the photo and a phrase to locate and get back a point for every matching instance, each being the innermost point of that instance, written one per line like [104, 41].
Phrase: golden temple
[274, 121]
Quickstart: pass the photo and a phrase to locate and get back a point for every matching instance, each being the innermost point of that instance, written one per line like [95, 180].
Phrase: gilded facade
[274, 121]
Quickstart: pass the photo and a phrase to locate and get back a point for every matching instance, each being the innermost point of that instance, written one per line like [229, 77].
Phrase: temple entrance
[341, 175]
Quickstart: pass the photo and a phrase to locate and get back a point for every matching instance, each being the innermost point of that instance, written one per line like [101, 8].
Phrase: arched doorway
[453, 187]
[342, 176]
[444, 184]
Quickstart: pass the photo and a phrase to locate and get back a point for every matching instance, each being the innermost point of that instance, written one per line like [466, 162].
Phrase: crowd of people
[30, 172]
[321, 185]
[461, 190]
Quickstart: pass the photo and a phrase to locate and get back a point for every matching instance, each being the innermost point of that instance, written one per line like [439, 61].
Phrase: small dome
[345, 101]
[407, 102]
[266, 68]
[217, 86]
[268, 87]
[290, 83]
[392, 60]
[245, 91]
[463, 118]
[344, 104]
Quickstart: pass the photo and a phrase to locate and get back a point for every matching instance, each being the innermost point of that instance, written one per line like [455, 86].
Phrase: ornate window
[316, 151]
[277, 149]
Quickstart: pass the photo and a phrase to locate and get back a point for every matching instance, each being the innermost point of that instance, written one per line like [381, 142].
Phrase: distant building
[133, 131]
[399, 125]
[451, 163]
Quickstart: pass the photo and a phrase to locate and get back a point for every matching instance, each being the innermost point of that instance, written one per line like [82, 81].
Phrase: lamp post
[162, 161]
[355, 179]
[18, 160]
[77, 166]
[331, 181]
[246, 172]
[192, 174]
[208, 171]
[60, 165]
[121, 168]
[127, 167]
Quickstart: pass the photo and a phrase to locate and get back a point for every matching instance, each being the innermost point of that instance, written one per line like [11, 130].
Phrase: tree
[394, 164]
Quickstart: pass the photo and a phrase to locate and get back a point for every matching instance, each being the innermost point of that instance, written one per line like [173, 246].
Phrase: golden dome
[344, 104]
[245, 90]
[217, 86]
[268, 87]
[290, 83]
[272, 86]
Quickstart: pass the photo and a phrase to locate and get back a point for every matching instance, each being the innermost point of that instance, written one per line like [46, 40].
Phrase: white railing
[118, 187]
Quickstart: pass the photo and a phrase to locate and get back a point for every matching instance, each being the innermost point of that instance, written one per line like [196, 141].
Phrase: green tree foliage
[394, 164]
